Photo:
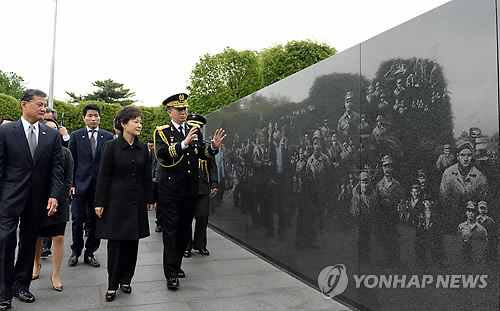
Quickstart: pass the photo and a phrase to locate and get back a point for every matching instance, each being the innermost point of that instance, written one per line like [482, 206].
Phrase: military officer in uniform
[208, 187]
[178, 147]
[388, 193]
[349, 121]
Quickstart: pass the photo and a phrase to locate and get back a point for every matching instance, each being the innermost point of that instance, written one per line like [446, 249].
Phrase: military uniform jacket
[207, 175]
[124, 187]
[179, 168]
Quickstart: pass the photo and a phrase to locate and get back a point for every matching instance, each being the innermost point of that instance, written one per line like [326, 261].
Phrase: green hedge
[9, 107]
[73, 120]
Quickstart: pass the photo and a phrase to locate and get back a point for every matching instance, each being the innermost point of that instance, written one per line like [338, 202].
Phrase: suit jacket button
[189, 171]
[133, 174]
[189, 162]
[187, 153]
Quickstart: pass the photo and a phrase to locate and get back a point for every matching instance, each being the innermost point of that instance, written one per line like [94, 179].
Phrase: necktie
[181, 130]
[32, 140]
[93, 145]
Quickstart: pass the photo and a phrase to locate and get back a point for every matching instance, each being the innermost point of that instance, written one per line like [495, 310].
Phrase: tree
[11, 84]
[218, 80]
[108, 91]
[279, 62]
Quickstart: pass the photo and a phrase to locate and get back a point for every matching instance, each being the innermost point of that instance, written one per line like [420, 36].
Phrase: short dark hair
[126, 114]
[91, 107]
[30, 93]
[150, 141]
[47, 120]
[53, 111]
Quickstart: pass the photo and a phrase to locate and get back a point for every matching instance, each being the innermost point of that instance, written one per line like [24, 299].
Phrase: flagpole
[51, 86]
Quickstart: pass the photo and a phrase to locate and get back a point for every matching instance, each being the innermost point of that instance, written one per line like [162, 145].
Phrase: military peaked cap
[195, 119]
[177, 101]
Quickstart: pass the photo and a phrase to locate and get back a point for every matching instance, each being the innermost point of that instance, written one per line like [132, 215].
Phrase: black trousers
[81, 207]
[122, 259]
[201, 222]
[17, 277]
[176, 219]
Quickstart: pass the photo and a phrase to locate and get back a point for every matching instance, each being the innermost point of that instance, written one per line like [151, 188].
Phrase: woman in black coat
[124, 195]
[55, 225]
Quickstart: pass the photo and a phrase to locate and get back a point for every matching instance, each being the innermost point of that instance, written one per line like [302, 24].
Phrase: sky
[151, 46]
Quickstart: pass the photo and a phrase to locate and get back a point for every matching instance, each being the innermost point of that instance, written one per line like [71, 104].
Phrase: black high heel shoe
[110, 296]
[127, 289]
[34, 277]
[56, 288]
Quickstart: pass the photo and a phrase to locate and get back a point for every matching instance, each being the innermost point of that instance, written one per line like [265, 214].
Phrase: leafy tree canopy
[218, 80]
[11, 84]
[280, 61]
[108, 91]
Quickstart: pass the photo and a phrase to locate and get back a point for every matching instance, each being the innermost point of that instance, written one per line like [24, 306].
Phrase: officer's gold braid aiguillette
[159, 129]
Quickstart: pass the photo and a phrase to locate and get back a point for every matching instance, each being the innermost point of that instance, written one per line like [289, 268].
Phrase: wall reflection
[376, 164]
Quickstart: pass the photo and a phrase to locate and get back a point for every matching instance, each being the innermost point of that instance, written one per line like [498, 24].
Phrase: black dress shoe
[172, 283]
[127, 289]
[110, 296]
[73, 260]
[92, 261]
[158, 228]
[203, 251]
[181, 274]
[187, 253]
[25, 296]
[5, 305]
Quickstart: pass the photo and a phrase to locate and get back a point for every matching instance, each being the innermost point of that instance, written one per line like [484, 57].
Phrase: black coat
[62, 214]
[124, 187]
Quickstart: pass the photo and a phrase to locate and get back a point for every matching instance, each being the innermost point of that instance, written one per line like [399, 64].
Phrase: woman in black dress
[124, 195]
[55, 225]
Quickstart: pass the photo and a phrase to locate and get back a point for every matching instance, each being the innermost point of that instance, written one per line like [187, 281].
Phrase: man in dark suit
[208, 187]
[31, 183]
[179, 146]
[85, 146]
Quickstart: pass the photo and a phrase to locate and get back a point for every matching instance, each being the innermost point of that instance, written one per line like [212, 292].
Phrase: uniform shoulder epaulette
[162, 127]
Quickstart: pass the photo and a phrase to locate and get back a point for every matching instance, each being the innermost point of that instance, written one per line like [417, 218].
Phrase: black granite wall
[369, 159]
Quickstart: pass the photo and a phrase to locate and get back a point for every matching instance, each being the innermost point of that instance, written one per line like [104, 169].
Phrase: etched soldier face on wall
[471, 214]
[427, 203]
[348, 104]
[421, 180]
[465, 157]
[387, 169]
[364, 184]
[414, 192]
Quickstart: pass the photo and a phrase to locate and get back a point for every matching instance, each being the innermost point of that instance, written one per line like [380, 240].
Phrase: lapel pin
[44, 133]
[83, 136]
